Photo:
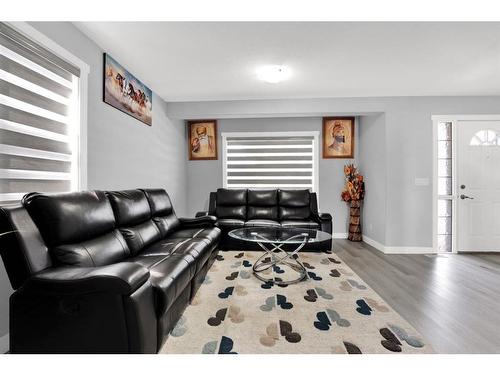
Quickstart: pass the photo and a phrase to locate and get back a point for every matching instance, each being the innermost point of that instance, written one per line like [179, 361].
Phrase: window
[286, 160]
[444, 186]
[485, 138]
[39, 118]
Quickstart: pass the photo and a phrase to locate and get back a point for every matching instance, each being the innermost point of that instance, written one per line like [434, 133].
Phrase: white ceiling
[217, 61]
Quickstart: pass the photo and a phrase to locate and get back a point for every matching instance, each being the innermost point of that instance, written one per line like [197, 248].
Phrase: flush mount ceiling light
[273, 73]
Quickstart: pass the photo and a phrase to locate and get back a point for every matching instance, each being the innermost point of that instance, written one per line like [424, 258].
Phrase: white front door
[478, 185]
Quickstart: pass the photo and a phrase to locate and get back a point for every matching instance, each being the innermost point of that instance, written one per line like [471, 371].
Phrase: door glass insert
[445, 187]
[486, 137]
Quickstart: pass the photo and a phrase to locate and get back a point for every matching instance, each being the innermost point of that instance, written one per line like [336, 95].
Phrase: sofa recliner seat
[101, 272]
[208, 234]
[301, 224]
[261, 223]
[239, 208]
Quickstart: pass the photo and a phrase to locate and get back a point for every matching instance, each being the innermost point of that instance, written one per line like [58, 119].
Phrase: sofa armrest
[325, 217]
[196, 222]
[201, 213]
[120, 278]
[325, 222]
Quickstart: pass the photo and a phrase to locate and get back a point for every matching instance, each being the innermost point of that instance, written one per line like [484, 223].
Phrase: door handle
[463, 196]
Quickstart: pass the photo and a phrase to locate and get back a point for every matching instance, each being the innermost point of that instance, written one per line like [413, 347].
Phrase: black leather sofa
[101, 272]
[237, 208]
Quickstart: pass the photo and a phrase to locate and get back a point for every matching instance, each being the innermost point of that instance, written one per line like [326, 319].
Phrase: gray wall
[122, 152]
[205, 176]
[372, 164]
[408, 146]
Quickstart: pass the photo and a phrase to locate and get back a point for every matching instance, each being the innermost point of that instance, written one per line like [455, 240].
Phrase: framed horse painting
[125, 92]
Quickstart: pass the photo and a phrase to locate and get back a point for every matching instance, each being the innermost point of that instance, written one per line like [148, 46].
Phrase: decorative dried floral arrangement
[354, 189]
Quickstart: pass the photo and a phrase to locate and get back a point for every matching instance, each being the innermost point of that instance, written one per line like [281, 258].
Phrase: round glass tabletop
[279, 235]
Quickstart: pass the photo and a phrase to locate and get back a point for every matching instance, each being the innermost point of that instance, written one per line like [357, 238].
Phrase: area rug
[333, 311]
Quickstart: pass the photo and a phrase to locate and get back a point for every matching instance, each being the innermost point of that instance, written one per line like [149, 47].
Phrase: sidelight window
[445, 187]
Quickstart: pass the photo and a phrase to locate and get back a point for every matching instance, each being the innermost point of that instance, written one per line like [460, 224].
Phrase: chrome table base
[278, 256]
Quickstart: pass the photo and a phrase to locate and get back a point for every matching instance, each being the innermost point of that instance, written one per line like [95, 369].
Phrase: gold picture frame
[202, 135]
[338, 137]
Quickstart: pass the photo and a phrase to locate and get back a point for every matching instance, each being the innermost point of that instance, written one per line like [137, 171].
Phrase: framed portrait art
[338, 137]
[202, 139]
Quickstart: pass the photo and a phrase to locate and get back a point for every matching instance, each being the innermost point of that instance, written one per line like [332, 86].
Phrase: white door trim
[454, 119]
[442, 118]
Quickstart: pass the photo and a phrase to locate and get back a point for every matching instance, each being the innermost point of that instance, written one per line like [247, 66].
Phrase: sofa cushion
[141, 235]
[209, 234]
[133, 217]
[230, 223]
[294, 213]
[162, 211]
[262, 204]
[99, 251]
[169, 279]
[195, 248]
[262, 223]
[70, 217]
[309, 224]
[131, 207]
[231, 203]
[231, 197]
[159, 202]
[163, 247]
[262, 198]
[231, 212]
[294, 204]
[294, 198]
[270, 212]
[148, 261]
[166, 224]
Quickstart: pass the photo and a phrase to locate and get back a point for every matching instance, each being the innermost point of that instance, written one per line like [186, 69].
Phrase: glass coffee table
[272, 241]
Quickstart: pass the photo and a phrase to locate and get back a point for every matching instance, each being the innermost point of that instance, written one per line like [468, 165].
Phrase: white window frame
[79, 182]
[454, 119]
[313, 133]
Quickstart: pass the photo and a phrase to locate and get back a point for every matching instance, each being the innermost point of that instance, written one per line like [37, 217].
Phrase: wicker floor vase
[355, 221]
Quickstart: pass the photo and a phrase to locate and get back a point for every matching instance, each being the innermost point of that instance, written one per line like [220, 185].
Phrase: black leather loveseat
[237, 208]
[101, 272]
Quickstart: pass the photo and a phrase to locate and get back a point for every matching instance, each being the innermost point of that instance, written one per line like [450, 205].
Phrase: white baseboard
[4, 343]
[375, 244]
[398, 249]
[409, 250]
[339, 235]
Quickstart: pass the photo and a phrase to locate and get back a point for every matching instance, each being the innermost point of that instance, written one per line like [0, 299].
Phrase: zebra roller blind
[270, 160]
[38, 117]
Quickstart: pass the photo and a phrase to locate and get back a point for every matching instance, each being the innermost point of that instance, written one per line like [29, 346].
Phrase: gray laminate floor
[452, 300]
